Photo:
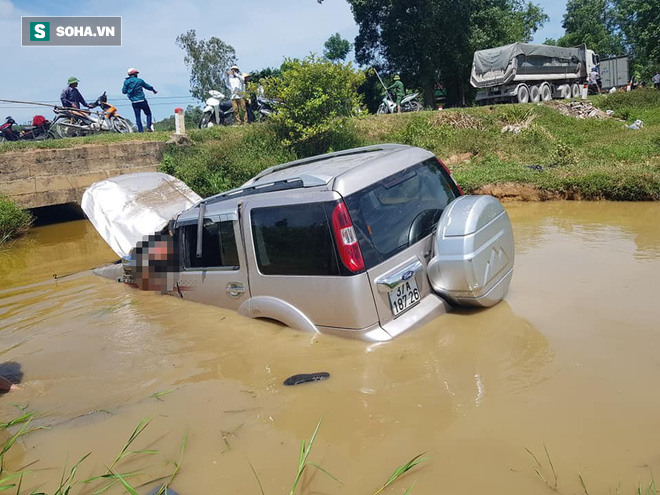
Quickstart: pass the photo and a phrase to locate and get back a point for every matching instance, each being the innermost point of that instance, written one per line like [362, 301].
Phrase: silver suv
[366, 243]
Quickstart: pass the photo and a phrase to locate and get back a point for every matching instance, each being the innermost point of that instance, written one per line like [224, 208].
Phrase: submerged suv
[366, 243]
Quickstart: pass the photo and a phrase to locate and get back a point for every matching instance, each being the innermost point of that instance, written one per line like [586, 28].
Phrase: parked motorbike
[408, 104]
[72, 122]
[38, 131]
[218, 111]
[265, 108]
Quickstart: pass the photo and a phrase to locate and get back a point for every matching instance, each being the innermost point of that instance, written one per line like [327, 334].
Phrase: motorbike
[38, 131]
[72, 122]
[408, 104]
[218, 111]
[265, 108]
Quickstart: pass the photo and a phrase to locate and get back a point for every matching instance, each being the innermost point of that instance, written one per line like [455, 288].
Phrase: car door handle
[235, 289]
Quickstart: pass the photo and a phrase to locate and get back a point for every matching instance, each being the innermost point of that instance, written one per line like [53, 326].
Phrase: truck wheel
[546, 92]
[575, 90]
[523, 94]
[534, 94]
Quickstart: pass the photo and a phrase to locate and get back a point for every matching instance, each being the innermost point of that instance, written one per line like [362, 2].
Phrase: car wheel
[523, 94]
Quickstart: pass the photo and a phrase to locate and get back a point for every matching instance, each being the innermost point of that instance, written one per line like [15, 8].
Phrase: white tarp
[126, 208]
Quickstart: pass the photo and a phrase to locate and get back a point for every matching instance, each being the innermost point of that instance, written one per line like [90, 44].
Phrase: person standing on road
[133, 88]
[656, 80]
[71, 97]
[398, 92]
[236, 84]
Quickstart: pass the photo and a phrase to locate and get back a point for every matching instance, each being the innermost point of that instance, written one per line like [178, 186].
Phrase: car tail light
[349, 249]
[460, 190]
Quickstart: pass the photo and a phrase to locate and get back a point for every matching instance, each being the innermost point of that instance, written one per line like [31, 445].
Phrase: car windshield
[399, 210]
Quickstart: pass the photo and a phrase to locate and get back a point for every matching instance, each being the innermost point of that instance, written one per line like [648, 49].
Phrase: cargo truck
[525, 72]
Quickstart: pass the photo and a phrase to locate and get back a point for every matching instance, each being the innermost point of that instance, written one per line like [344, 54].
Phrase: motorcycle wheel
[2, 139]
[414, 106]
[121, 125]
[382, 109]
[229, 119]
[65, 131]
[208, 120]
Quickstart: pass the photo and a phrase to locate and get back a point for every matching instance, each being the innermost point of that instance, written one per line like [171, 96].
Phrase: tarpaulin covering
[500, 65]
[126, 208]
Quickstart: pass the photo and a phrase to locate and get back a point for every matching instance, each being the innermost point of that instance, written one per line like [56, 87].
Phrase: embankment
[44, 177]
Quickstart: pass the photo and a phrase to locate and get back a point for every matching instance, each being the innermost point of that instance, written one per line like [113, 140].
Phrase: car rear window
[294, 240]
[398, 211]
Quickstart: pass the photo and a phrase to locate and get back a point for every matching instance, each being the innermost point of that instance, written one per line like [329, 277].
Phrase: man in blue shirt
[133, 88]
[71, 97]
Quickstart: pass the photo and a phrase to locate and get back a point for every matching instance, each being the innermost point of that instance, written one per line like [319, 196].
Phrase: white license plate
[404, 296]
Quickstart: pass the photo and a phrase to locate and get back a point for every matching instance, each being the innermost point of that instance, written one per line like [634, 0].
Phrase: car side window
[219, 248]
[294, 240]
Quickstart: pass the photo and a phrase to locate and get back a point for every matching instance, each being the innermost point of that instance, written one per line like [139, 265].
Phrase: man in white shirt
[236, 84]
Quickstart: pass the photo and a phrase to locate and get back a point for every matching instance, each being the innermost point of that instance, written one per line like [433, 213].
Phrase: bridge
[46, 177]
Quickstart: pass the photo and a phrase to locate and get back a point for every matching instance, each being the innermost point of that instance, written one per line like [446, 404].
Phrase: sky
[262, 32]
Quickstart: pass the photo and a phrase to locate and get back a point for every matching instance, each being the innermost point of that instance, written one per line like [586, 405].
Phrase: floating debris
[306, 377]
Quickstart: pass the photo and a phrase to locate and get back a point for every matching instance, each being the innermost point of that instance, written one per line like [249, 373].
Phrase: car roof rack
[319, 158]
[280, 185]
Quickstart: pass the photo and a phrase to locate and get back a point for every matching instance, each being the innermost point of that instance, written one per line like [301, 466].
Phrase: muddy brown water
[570, 360]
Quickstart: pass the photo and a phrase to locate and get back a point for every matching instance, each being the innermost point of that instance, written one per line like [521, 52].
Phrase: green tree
[336, 48]
[207, 61]
[315, 96]
[427, 41]
[639, 21]
[593, 22]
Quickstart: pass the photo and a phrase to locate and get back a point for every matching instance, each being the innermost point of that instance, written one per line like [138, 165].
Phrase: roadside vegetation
[14, 221]
[551, 156]
[548, 156]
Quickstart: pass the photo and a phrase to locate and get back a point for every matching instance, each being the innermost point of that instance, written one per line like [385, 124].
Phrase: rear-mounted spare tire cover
[473, 254]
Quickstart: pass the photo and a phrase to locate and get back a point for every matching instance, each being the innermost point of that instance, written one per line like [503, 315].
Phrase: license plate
[404, 296]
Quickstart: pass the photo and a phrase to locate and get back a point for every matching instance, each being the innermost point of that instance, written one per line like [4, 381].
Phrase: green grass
[101, 138]
[560, 155]
[14, 221]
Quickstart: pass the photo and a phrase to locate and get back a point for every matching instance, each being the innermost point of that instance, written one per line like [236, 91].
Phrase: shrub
[14, 221]
[314, 94]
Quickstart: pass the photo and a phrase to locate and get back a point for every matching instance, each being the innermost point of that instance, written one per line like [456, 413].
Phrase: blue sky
[261, 31]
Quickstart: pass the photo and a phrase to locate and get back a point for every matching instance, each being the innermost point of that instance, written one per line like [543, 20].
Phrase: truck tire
[534, 94]
[564, 91]
[523, 94]
[546, 92]
[575, 90]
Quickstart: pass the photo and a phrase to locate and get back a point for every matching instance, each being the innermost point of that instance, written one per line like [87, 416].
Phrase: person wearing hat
[133, 88]
[70, 96]
[398, 91]
[236, 84]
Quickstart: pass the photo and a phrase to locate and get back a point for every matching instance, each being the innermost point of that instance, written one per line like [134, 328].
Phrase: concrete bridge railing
[45, 177]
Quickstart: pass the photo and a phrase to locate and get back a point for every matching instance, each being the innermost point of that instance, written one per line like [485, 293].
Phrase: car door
[216, 274]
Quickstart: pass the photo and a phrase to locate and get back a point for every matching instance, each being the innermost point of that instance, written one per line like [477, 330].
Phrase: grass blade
[158, 395]
[584, 485]
[304, 454]
[324, 471]
[554, 473]
[127, 486]
[254, 471]
[401, 470]
[409, 490]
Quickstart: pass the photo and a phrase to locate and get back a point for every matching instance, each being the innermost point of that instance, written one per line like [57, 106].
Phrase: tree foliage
[336, 48]
[314, 94]
[206, 60]
[434, 40]
[592, 22]
[639, 21]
